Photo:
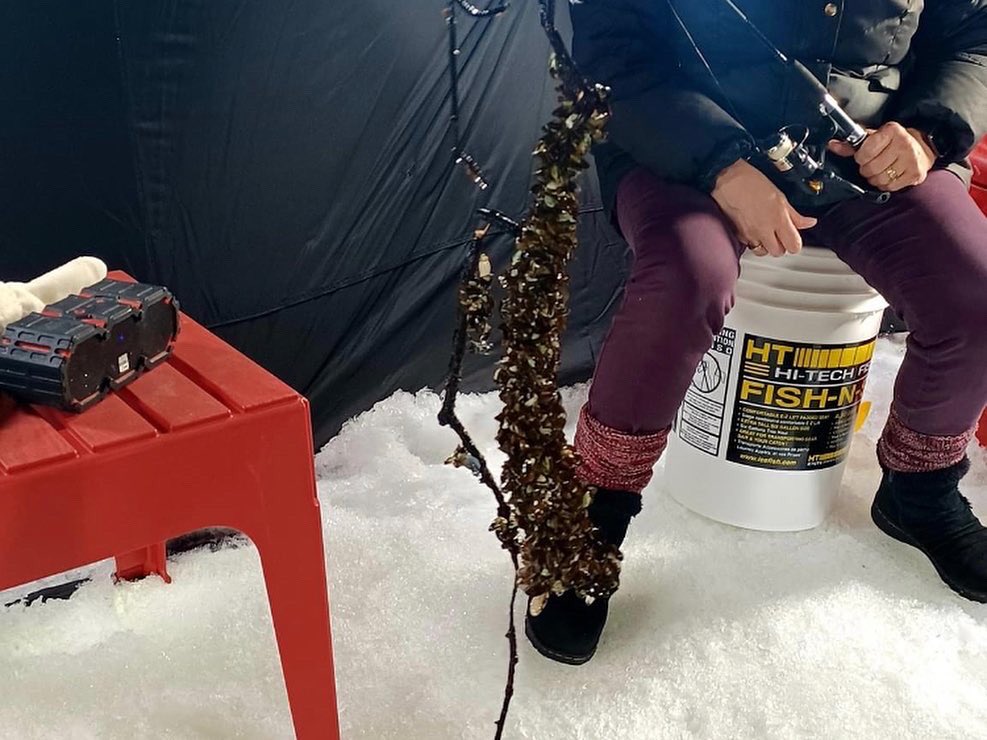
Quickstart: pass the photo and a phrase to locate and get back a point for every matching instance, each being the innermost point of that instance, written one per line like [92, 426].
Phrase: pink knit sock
[906, 451]
[613, 459]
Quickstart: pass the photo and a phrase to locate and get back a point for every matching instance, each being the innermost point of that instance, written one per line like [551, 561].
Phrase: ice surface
[716, 632]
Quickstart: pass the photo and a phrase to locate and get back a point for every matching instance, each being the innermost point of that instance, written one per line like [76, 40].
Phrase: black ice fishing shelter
[285, 168]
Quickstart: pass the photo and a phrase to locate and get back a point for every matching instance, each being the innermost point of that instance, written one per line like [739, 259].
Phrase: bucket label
[796, 404]
[700, 418]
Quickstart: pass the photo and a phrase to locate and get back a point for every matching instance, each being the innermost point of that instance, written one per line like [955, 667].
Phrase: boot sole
[892, 530]
[553, 654]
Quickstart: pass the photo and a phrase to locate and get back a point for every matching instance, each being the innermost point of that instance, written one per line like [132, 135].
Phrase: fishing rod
[787, 150]
[848, 129]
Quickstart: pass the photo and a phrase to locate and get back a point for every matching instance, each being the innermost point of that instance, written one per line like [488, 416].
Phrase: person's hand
[760, 212]
[891, 158]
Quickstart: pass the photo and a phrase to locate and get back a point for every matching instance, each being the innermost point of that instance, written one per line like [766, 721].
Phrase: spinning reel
[789, 151]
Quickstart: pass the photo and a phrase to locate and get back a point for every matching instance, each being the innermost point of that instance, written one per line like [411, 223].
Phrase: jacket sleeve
[947, 91]
[664, 123]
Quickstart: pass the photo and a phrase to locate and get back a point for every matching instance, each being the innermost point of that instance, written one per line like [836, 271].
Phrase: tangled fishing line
[542, 518]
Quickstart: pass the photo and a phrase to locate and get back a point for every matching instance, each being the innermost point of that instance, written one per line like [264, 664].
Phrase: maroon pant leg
[681, 286]
[925, 251]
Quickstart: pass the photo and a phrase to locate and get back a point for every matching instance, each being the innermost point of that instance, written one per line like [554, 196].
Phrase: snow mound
[716, 632]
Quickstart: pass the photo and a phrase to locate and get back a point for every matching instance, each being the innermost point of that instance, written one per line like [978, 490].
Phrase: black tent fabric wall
[67, 179]
[285, 168]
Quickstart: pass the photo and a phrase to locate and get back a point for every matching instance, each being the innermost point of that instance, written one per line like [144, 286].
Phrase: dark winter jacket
[922, 63]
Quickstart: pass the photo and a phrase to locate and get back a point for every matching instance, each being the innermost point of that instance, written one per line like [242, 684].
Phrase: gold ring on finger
[892, 173]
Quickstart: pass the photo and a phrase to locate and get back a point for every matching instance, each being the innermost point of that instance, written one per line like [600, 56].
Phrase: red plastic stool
[207, 440]
[979, 192]
[979, 187]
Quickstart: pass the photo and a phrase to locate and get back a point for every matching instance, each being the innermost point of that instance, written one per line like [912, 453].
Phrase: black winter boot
[927, 511]
[568, 629]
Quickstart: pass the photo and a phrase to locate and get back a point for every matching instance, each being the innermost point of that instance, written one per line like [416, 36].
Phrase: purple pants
[925, 251]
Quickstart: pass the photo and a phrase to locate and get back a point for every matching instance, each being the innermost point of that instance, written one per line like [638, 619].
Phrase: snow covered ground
[716, 632]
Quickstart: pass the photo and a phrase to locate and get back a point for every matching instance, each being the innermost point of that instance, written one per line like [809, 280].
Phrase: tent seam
[323, 292]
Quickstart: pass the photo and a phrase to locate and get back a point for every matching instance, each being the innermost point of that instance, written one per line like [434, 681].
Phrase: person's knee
[685, 261]
[708, 295]
[694, 295]
[969, 315]
[956, 316]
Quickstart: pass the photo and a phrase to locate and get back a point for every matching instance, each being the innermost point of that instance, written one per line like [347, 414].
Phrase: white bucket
[762, 437]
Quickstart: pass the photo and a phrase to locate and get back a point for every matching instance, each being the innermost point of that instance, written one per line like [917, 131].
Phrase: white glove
[17, 300]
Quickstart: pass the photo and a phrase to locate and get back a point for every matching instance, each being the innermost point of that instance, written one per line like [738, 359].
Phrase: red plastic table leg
[150, 560]
[296, 592]
[293, 560]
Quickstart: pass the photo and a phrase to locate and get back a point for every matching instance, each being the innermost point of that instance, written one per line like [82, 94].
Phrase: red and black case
[75, 351]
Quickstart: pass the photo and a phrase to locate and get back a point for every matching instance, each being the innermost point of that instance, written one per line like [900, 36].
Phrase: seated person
[680, 176]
